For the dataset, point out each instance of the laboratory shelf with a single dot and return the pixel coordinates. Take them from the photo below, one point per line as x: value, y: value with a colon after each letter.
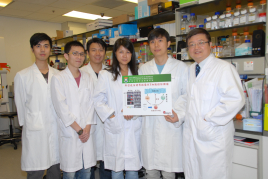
x: 54, y: 55
x: 238, y: 124
x: 238, y: 26
x: 235, y: 57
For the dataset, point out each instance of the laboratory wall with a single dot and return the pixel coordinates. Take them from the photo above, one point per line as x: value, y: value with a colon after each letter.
x: 16, y: 33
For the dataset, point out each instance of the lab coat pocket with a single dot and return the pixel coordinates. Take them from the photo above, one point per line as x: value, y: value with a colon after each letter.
x: 205, y: 131
x: 34, y: 121
x: 109, y: 144
x: 114, y: 125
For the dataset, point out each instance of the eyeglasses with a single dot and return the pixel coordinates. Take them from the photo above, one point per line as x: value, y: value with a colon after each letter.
x: 77, y: 54
x: 199, y: 44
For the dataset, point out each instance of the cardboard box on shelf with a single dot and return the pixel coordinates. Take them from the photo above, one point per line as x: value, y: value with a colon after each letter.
x: 123, y: 18
x: 68, y: 33
x: 59, y: 34
x: 152, y: 2
x: 153, y: 9
x: 143, y: 9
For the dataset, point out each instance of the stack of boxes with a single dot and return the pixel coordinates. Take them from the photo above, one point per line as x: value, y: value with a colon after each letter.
x: 99, y: 24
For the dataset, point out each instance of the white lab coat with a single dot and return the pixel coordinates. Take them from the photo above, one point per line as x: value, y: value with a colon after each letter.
x: 40, y: 148
x: 214, y: 95
x: 73, y: 103
x: 121, y: 136
x: 99, y: 128
x: 161, y: 141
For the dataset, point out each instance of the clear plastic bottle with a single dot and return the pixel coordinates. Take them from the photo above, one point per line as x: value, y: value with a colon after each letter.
x: 252, y: 14
x: 229, y: 16
x: 226, y: 52
x: 208, y: 23
x: 222, y: 21
x: 144, y: 51
x: 243, y: 16
x: 246, y: 36
x: 262, y: 11
x: 219, y: 51
x: 214, y: 50
x: 237, y: 15
x: 192, y: 22
x: 184, y: 24
x: 169, y: 51
x: 215, y: 21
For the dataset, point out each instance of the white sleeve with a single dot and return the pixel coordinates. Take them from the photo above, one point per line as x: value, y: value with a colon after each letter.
x: 231, y: 100
x: 59, y: 102
x: 20, y: 98
x: 100, y: 98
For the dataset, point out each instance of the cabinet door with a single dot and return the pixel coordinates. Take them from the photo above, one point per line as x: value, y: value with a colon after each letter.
x: 245, y: 156
x: 243, y: 172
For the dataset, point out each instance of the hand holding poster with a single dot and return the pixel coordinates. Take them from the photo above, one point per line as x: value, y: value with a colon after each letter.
x: 147, y: 95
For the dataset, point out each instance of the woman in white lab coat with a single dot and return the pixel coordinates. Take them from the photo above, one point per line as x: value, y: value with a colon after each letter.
x: 121, y: 133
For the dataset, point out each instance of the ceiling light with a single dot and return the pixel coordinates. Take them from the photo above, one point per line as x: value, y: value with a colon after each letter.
x: 134, y: 1
x: 83, y: 15
x: 4, y: 3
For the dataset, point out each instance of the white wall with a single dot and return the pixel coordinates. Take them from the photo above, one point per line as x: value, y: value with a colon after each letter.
x: 16, y: 33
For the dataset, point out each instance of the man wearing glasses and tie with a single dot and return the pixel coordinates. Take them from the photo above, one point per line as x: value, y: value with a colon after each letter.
x: 214, y: 96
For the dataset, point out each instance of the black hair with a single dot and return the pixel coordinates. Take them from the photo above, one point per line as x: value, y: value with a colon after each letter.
x: 115, y: 67
x: 198, y: 31
x: 98, y: 41
x: 69, y: 45
x: 39, y: 37
x: 158, y: 32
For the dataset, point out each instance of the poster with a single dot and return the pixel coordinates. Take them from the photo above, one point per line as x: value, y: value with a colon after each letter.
x: 147, y: 95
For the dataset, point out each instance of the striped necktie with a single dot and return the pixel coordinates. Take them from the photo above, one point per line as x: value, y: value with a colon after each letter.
x: 197, y: 69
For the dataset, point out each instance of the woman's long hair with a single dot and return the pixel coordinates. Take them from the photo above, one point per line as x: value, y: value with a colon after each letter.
x: 115, y: 67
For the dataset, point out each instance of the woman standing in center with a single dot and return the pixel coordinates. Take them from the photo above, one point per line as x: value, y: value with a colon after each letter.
x: 121, y: 133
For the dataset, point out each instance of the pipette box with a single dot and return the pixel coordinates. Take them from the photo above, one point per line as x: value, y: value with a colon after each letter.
x: 127, y: 29
x: 251, y: 124
x: 104, y: 32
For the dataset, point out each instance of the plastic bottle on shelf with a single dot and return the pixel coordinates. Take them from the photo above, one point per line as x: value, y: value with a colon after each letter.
x: 214, y: 50
x: 236, y: 41
x: 222, y: 21
x: 243, y: 16
x: 201, y: 26
x: 144, y: 51
x: 246, y: 36
x: 192, y: 22
x: 219, y: 51
x: 227, y: 49
x: 229, y: 17
x: 208, y: 23
x: 215, y: 21
x: 169, y: 51
x: 184, y: 24
x: 237, y: 15
x: 57, y: 63
x: 174, y: 55
x: 262, y: 11
x: 252, y: 14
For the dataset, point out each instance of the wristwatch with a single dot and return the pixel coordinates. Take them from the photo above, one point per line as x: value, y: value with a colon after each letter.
x: 80, y: 132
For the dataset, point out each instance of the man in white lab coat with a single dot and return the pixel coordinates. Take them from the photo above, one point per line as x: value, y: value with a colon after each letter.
x: 214, y: 96
x: 40, y: 146
x: 72, y: 92
x: 161, y: 139
x: 96, y: 49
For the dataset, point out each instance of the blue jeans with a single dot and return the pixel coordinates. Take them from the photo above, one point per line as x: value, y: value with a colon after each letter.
x: 129, y: 175
x: 80, y: 174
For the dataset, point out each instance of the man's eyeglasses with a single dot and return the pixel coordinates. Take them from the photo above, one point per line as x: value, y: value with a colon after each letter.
x: 199, y: 44
x: 82, y: 54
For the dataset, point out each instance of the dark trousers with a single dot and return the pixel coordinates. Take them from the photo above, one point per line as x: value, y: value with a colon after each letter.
x: 52, y: 173
x: 104, y: 173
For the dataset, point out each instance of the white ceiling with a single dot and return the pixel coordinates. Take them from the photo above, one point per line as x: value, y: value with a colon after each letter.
x: 52, y: 10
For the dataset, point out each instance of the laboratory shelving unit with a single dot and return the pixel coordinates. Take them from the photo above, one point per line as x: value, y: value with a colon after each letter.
x: 250, y: 162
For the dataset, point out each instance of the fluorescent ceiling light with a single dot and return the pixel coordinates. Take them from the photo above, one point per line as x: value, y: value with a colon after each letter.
x: 134, y: 1
x: 4, y: 3
x: 83, y: 15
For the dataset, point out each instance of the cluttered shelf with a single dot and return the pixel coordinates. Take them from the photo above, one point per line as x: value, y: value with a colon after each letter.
x: 226, y: 28
x: 238, y: 124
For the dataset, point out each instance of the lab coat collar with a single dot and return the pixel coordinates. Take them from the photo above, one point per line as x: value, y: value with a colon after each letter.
x: 166, y: 69
x: 39, y: 74
x: 91, y: 71
x: 206, y: 67
x: 70, y: 75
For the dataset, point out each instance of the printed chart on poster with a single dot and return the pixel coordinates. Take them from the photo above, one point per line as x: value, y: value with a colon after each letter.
x: 147, y: 95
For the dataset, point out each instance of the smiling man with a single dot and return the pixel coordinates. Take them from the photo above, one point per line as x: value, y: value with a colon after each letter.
x: 72, y: 92
x: 214, y: 96
x: 96, y: 49
x: 161, y: 138
x: 40, y: 146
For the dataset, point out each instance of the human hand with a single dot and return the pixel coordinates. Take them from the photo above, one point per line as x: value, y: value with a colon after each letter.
x: 112, y: 116
x: 173, y: 118
x: 86, y: 133
x: 127, y: 117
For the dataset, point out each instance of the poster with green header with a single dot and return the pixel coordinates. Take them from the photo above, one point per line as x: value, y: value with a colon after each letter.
x: 147, y: 95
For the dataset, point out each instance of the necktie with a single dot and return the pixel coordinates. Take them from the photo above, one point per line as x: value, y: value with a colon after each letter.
x: 197, y: 69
